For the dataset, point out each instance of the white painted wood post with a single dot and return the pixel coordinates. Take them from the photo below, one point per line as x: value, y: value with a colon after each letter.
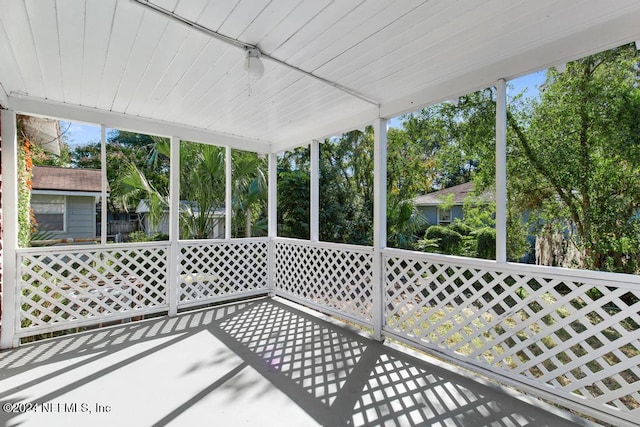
x: 272, y: 208
x: 103, y: 196
x: 10, y: 271
x: 174, y: 226
x: 228, y: 192
x: 379, y: 223
x: 501, y: 170
x: 314, y: 205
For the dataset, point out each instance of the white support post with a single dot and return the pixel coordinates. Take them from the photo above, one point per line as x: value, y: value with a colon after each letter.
x: 379, y: 223
x: 228, y: 192
x: 10, y: 271
x: 314, y: 205
x: 174, y: 226
x: 103, y: 196
x: 501, y: 171
x: 272, y: 203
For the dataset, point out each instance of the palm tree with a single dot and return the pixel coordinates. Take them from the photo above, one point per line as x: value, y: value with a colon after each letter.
x: 249, y: 190
x: 202, y: 187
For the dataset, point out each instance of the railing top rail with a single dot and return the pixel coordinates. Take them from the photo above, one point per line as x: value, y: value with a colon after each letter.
x: 575, y: 275
x: 191, y: 242
x: 328, y: 245
x: 92, y: 248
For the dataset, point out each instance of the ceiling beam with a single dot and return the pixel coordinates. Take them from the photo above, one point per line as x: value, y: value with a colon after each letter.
x: 4, y: 98
x: 62, y: 111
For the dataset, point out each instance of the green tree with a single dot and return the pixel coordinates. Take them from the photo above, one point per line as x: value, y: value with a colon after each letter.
x: 580, y: 152
x: 294, y: 193
x: 123, y: 150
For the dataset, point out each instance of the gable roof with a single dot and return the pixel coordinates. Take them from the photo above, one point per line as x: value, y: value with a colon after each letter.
x: 52, y: 178
x: 460, y: 192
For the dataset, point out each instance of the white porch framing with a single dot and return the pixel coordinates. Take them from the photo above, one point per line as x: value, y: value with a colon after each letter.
x: 358, y: 284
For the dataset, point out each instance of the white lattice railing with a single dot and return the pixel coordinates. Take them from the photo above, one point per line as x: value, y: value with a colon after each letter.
x: 213, y: 270
x: 63, y: 288
x: 575, y: 334
x: 331, y: 277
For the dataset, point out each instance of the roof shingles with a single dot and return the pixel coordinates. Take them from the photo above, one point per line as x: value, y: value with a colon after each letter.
x: 66, y: 179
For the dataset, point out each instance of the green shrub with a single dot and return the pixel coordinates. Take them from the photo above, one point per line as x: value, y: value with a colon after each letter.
x: 486, y: 242
x: 461, y: 228
x: 448, y: 240
x: 141, y: 236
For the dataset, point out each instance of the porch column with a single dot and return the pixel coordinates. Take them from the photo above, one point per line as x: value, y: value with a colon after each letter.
x: 228, y: 192
x: 314, y: 208
x: 103, y: 196
x: 174, y: 225
x: 501, y: 170
x: 10, y: 226
x: 379, y: 223
x: 272, y: 208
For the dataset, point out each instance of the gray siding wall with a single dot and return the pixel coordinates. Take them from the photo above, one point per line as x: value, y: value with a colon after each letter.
x: 431, y: 213
x: 81, y: 217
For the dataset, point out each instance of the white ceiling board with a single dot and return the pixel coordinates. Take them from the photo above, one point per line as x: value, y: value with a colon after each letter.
x: 348, y: 33
x: 261, y: 99
x: 120, y: 56
x: 287, y: 27
x: 152, y: 27
x: 192, y: 47
x: 183, y: 92
x: 499, y: 49
x: 241, y: 17
x: 204, y: 91
x: 401, y: 35
x: 42, y: 17
x: 215, y: 13
x: 190, y: 9
x: 71, y: 37
x: 400, y: 66
x: 324, y: 22
x: 98, y: 25
x: 169, y: 44
x: 272, y: 15
x: 169, y: 4
x: 9, y: 68
x: 20, y: 37
x: 126, y: 26
x: 574, y: 46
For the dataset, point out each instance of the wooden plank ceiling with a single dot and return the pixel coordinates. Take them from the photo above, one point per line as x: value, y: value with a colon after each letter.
x: 121, y: 57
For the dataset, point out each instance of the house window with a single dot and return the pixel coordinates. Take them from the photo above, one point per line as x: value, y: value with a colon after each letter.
x: 48, y: 212
x: 444, y: 216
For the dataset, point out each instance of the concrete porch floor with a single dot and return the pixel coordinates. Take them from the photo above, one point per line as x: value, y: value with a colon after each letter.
x: 262, y: 362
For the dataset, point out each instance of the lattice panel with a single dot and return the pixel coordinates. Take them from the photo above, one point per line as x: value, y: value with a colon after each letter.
x: 63, y: 287
x: 213, y: 270
x: 578, y: 338
x: 333, y: 277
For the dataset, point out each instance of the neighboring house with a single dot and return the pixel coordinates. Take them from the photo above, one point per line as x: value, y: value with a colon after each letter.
x: 64, y: 201
x: 431, y: 204
x: 163, y: 226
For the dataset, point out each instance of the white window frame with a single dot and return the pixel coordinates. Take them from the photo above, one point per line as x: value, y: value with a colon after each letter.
x: 440, y: 211
x: 64, y: 203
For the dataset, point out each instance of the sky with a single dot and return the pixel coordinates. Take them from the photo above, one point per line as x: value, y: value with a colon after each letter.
x: 81, y: 134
